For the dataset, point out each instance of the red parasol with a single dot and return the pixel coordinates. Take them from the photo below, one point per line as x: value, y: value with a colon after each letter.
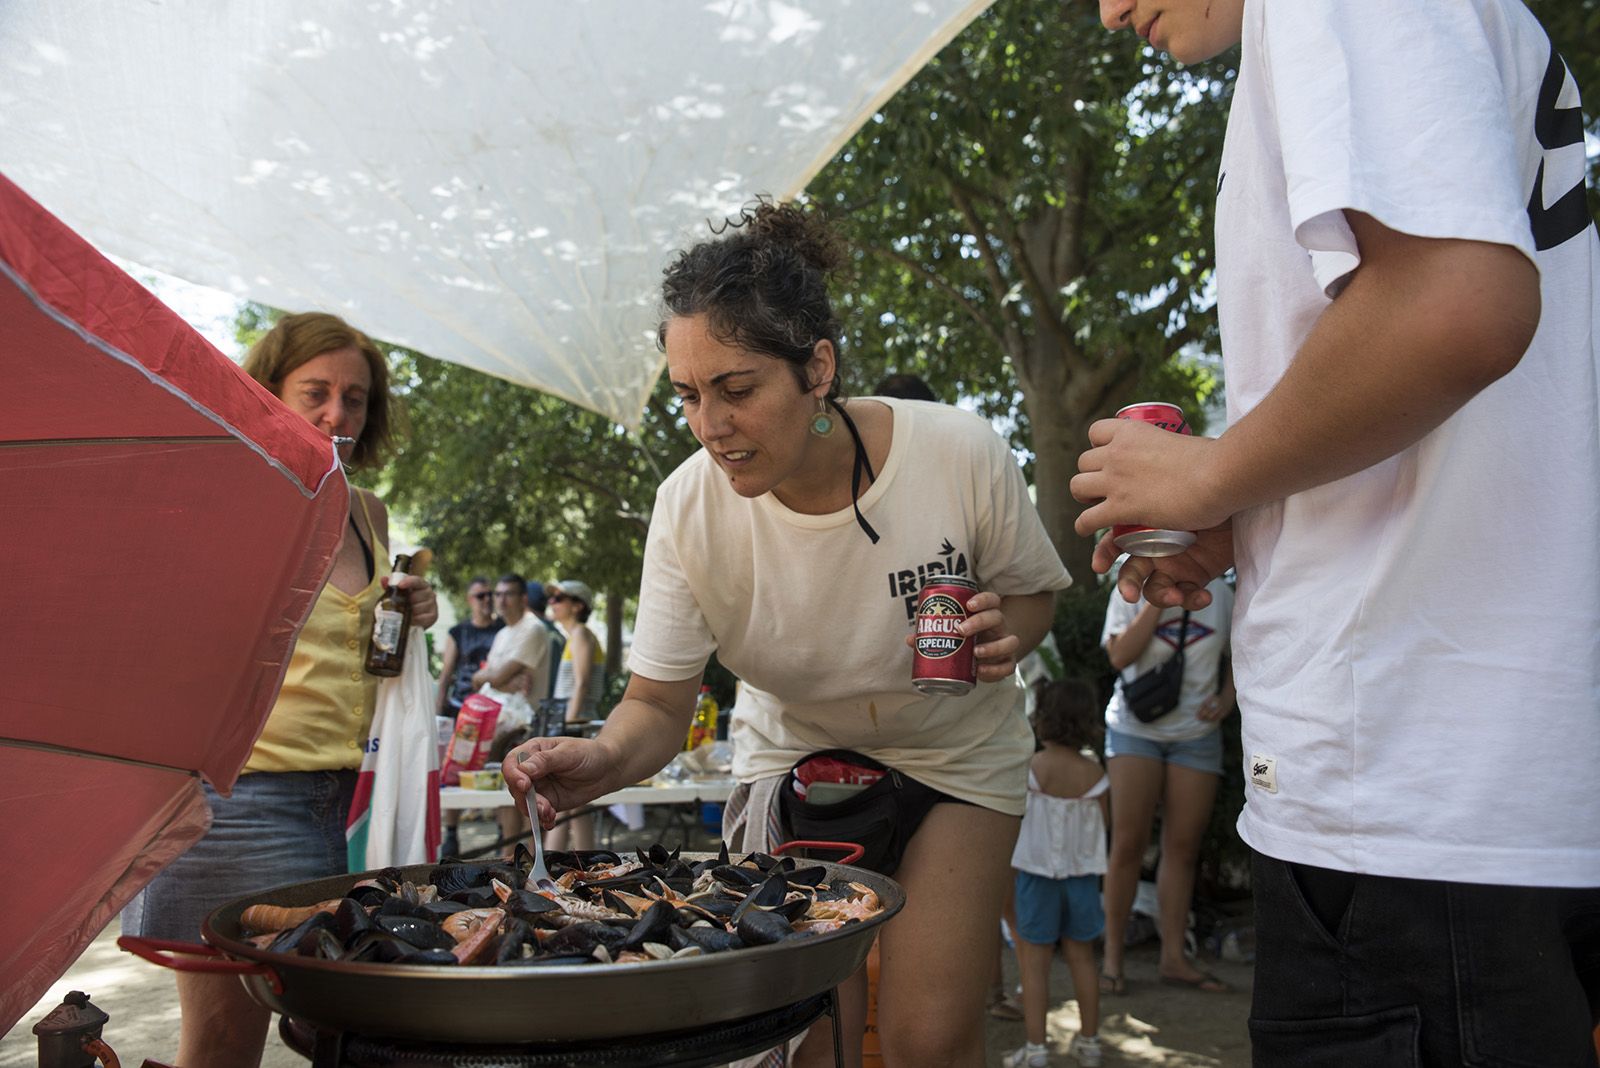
x: 165, y: 525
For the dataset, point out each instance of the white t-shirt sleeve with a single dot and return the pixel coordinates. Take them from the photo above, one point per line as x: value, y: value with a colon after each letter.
x: 1119, y: 613
x: 1339, y: 73
x: 671, y: 639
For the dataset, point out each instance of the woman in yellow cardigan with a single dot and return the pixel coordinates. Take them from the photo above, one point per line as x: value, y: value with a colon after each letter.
x: 285, y: 819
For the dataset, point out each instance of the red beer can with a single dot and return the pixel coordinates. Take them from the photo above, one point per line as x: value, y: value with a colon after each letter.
x: 942, y: 663
x: 1151, y: 541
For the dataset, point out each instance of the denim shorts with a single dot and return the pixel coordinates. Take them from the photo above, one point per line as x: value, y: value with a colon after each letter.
x: 277, y: 828
x: 1367, y: 969
x: 1049, y: 910
x: 1202, y: 754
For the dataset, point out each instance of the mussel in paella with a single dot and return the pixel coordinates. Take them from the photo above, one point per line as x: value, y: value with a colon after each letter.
x: 653, y: 905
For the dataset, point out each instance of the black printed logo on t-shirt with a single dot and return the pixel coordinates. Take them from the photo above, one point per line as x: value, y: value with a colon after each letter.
x: 1556, y: 127
x: 907, y: 582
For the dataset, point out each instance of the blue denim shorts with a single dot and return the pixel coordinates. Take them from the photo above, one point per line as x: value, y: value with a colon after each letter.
x: 1049, y: 910
x: 277, y: 828
x: 1202, y: 754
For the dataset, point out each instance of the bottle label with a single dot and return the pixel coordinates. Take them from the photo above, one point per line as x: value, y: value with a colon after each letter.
x: 386, y: 626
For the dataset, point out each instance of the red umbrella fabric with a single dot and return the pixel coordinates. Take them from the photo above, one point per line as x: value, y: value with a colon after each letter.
x: 165, y: 525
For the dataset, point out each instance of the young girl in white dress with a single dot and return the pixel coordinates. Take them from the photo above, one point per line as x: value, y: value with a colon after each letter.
x: 1059, y: 859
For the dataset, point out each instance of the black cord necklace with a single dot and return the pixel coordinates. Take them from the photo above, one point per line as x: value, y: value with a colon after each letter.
x: 861, y: 461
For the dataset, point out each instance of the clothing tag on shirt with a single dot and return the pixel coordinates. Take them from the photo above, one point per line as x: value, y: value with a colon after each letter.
x: 1264, y: 772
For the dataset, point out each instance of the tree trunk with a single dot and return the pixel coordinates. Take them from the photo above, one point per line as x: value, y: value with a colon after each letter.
x: 1059, y: 436
x: 615, y: 602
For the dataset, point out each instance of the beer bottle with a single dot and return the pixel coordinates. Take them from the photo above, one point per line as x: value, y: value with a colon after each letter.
x: 391, y: 625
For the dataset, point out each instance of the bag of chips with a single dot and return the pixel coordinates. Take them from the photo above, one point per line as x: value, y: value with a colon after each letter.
x: 469, y: 745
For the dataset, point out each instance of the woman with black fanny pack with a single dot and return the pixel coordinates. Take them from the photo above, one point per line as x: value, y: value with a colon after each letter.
x: 793, y: 545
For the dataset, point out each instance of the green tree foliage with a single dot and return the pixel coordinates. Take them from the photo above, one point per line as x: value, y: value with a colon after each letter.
x: 1032, y: 217
x: 500, y: 477
x: 497, y: 477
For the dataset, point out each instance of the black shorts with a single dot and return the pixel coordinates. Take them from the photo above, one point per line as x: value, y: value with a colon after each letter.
x: 1370, y: 970
x: 880, y: 819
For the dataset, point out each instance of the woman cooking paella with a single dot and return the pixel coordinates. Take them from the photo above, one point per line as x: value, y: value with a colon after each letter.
x: 793, y: 544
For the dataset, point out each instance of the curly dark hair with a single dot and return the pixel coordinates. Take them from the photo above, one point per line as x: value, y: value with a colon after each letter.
x: 1067, y: 712
x: 763, y: 284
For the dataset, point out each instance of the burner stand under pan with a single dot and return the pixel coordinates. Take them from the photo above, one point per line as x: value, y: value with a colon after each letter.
x: 706, y: 1046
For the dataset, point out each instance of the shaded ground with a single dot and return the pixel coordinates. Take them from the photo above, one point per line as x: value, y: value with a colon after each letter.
x: 1150, y: 1025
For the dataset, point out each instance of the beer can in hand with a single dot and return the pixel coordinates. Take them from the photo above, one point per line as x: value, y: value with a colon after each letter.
x: 1153, y: 541
x: 942, y: 662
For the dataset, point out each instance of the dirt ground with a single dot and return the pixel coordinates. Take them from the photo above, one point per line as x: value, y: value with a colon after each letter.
x: 1150, y: 1025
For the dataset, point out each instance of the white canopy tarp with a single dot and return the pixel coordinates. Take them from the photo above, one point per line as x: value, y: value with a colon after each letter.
x: 497, y: 183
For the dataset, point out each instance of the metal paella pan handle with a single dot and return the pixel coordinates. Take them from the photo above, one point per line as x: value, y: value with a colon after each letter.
x: 161, y: 951
x: 851, y: 851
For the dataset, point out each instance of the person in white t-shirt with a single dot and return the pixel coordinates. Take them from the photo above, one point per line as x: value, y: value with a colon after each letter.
x: 1408, y: 282
x: 517, y: 668
x: 516, y: 673
x: 1174, y: 762
x: 793, y: 545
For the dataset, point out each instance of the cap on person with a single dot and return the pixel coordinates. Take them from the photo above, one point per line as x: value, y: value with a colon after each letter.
x: 536, y: 599
x: 578, y: 591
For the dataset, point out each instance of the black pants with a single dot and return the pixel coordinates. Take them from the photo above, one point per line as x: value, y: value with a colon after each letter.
x: 1373, y: 972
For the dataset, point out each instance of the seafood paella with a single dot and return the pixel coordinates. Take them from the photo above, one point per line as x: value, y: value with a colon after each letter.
x: 602, y: 908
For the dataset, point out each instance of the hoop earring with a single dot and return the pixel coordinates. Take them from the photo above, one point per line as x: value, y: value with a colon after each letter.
x: 822, y: 422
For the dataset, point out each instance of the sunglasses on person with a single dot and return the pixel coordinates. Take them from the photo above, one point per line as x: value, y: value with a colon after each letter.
x: 557, y: 598
x: 482, y: 595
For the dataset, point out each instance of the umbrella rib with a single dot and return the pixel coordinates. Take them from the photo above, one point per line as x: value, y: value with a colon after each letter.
x: 24, y: 743
x: 36, y: 443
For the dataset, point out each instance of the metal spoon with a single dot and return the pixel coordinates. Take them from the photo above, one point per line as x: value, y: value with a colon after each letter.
x: 538, y: 875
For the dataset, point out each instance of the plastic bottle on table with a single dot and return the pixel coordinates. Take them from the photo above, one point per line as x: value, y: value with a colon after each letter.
x: 703, y: 729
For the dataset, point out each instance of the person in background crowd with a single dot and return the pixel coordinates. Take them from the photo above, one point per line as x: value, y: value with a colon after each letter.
x: 1174, y: 761
x: 790, y: 546
x: 538, y: 605
x: 580, y: 678
x: 581, y: 674
x: 466, y: 648
x: 285, y: 819
x: 1408, y: 287
x: 518, y: 666
x: 1060, y: 856
x: 907, y: 387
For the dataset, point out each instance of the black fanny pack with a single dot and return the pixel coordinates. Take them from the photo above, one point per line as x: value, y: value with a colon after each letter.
x: 1157, y: 692
x: 880, y: 818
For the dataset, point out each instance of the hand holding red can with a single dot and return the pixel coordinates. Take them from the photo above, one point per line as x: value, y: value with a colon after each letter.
x: 942, y: 661
x: 1170, y: 481
x: 944, y: 644
x: 1153, y: 541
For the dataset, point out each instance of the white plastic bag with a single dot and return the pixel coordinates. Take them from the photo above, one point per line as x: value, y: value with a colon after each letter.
x: 394, y: 819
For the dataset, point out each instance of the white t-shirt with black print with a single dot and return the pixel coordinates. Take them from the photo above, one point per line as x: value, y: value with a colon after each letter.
x: 813, y: 617
x: 1417, y: 646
